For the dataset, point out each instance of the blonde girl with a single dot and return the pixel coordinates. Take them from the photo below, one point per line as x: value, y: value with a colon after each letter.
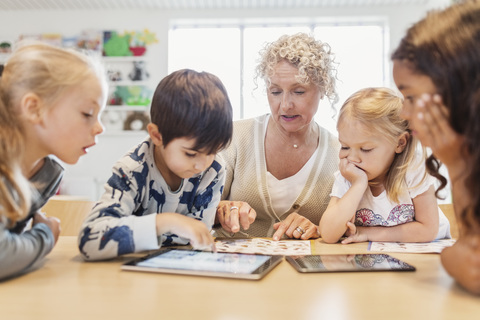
x: 50, y: 104
x: 381, y: 192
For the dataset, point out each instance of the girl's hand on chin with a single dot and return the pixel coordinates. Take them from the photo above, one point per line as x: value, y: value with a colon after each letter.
x: 351, y: 172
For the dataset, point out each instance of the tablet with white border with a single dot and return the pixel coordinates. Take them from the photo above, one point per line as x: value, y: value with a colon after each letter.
x: 348, y: 263
x: 204, y: 263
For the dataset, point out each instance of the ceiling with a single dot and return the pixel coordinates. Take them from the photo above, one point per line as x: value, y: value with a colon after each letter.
x: 16, y: 5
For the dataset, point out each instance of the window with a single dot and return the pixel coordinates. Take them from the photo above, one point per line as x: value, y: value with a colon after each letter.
x: 230, y: 51
x: 215, y: 50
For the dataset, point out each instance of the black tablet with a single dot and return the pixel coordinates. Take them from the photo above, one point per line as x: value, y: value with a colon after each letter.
x: 348, y: 263
x: 202, y: 263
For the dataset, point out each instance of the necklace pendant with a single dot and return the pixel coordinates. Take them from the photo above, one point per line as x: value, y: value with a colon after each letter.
x: 295, y: 146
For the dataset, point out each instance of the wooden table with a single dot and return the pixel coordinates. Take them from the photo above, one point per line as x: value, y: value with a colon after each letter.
x: 66, y: 287
x: 71, y: 211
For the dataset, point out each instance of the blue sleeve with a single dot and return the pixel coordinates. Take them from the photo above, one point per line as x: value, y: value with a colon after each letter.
x: 19, y: 253
x: 112, y: 229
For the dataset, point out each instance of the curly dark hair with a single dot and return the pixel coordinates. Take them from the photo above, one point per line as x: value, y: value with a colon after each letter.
x: 445, y: 46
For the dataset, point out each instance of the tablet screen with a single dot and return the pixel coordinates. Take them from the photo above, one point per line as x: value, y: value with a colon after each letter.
x: 230, y: 265
x: 348, y: 263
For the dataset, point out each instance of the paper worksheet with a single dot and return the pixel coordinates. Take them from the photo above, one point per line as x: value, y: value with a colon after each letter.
x: 425, y: 247
x: 265, y: 246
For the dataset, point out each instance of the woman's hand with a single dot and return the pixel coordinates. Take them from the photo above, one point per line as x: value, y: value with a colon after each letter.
x: 51, y: 222
x: 232, y: 214
x: 295, y: 226
x: 194, y: 230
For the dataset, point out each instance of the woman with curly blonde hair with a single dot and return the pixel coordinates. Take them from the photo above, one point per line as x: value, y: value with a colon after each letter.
x: 280, y: 165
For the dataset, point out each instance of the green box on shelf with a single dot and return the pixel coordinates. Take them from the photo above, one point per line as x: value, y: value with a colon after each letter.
x: 133, y: 95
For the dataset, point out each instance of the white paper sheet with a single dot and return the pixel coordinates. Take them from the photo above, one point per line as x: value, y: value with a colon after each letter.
x: 425, y: 247
x: 265, y: 246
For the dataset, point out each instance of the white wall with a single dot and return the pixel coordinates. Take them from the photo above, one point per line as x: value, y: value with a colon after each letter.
x: 91, y: 172
x: 70, y: 23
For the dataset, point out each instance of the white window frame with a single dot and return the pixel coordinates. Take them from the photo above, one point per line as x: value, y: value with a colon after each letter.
x: 311, y: 24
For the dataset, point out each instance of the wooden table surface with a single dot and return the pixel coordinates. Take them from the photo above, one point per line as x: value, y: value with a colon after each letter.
x: 66, y: 287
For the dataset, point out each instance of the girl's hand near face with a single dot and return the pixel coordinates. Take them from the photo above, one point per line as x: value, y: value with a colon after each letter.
x: 338, y: 219
x: 352, y: 173
x: 430, y: 121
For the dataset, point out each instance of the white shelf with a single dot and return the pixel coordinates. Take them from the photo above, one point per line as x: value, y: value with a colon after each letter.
x: 128, y: 83
x: 123, y: 59
x: 122, y: 133
x: 116, y: 116
x: 126, y: 108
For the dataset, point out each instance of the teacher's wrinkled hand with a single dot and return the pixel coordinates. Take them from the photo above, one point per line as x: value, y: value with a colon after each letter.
x: 233, y: 214
x: 295, y: 226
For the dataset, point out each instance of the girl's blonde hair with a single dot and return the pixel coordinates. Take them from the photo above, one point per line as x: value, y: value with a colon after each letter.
x: 47, y: 71
x: 313, y: 58
x: 378, y: 109
x: 14, y: 187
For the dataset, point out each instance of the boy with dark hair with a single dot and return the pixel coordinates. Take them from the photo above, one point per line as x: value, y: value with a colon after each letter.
x: 166, y: 189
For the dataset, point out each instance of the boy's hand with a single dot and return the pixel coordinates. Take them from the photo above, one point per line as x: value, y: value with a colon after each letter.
x: 232, y: 214
x: 51, y: 222
x: 193, y: 230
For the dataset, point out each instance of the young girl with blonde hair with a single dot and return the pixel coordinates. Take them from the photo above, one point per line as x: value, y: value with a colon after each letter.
x: 50, y: 104
x: 381, y: 192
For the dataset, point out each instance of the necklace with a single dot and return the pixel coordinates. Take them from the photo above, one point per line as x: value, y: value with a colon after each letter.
x: 295, y: 145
